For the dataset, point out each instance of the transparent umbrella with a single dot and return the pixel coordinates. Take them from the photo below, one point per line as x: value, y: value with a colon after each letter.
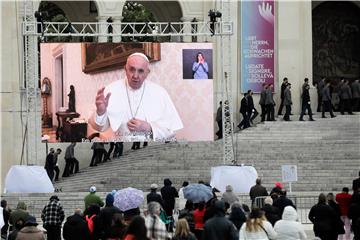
x: 128, y: 198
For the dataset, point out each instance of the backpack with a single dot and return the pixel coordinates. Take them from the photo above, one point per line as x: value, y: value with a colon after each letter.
x: 90, y: 222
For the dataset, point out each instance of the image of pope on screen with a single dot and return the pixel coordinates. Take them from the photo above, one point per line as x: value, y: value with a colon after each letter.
x: 136, y: 109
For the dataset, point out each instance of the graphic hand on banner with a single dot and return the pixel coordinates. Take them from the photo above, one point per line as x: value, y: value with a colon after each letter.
x: 265, y: 12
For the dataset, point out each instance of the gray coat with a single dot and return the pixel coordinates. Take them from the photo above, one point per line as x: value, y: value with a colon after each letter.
x: 262, y: 97
x: 355, y: 87
x: 326, y: 94
x: 345, y: 92
x: 269, y: 97
x: 287, y: 97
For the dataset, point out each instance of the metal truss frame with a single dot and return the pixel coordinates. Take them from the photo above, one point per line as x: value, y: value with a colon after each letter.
x: 135, y: 29
x: 221, y: 29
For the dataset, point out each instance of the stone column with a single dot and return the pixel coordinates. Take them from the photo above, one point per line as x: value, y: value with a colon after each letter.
x: 102, y: 20
x: 187, y: 28
x: 117, y: 28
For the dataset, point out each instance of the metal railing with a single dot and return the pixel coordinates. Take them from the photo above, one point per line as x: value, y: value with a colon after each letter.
x: 303, y: 205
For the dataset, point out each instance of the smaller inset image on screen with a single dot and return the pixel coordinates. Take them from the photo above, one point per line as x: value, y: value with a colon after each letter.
x: 197, y: 64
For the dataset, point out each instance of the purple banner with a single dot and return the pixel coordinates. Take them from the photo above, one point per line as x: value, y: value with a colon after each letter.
x: 257, y: 44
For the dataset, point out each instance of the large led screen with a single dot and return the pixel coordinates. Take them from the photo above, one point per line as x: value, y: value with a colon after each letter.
x: 126, y: 92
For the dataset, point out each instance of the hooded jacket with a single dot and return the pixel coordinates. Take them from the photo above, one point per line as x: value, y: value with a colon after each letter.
x: 229, y: 196
x: 19, y: 213
x: 168, y: 193
x: 76, y: 228
x: 288, y: 228
x: 30, y: 232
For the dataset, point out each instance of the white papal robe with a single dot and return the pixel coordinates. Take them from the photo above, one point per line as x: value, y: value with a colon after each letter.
x: 154, y: 106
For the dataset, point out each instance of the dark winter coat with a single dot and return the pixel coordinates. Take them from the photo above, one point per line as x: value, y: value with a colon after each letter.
x: 76, y: 228
x: 169, y: 194
x: 323, y: 217
x: 272, y: 213
x: 237, y: 217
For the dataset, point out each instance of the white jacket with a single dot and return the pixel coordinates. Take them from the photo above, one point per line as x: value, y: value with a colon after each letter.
x: 288, y: 228
x: 260, y: 235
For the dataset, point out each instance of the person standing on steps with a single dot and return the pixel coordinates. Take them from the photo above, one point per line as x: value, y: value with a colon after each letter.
x: 305, y: 103
x: 262, y: 102
x: 287, y: 102
x: 326, y: 101
x: 283, y: 87
x: 270, y: 104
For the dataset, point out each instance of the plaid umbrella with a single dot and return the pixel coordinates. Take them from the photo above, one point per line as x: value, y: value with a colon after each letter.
x: 197, y: 193
x: 128, y: 198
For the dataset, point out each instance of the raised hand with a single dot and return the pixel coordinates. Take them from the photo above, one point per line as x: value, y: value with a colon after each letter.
x: 101, y: 101
x: 265, y: 12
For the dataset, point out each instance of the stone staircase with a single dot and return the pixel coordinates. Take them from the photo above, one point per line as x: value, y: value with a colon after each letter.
x: 326, y: 152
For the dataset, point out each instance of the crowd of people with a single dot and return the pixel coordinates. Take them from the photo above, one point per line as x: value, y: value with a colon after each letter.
x: 273, y: 217
x: 344, y: 96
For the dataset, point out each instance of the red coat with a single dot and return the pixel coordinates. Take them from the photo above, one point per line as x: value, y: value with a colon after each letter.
x: 199, y: 218
x: 343, y: 199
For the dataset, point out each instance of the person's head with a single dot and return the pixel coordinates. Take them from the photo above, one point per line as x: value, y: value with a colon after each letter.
x: 189, y: 205
x: 200, y: 205
x: 58, y: 151
x: 73, y: 144
x: 167, y: 182
x: 137, y: 228
x: 245, y: 94
x: 130, y: 214
x: 117, y: 220
x: 306, y: 80
x: 258, y: 181
x: 219, y: 207
x: 322, y: 199
x: 229, y: 188
x: 136, y: 69
x: 182, y: 228
x: 30, y: 221
x: 220, y: 103
x: 254, y: 221
x: 268, y: 200
x: 93, y: 209
x: 92, y: 189
x: 78, y: 211
x: 3, y: 203
x: 288, y: 85
x: 278, y: 184
x: 72, y: 87
x: 154, y: 208
x: 52, y: 150
x: 271, y: 86
x: 285, y: 79
x: 109, y: 200
x: 249, y: 92
x: 185, y: 183
x: 199, y: 57
x: 264, y: 85
x: 345, y: 189
x: 153, y: 187
x: 21, y: 205
x: 330, y: 197
x: 289, y: 214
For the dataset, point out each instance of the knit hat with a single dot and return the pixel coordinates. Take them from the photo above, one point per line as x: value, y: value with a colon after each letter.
x: 31, y: 221
x: 268, y: 200
x: 92, y: 189
x: 109, y: 199
x: 278, y: 184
